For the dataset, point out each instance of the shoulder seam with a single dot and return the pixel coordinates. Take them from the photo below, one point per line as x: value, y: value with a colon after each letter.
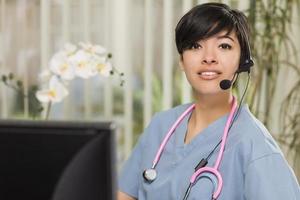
x: 261, y: 157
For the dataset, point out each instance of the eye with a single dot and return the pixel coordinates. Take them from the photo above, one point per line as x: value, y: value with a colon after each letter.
x: 225, y: 46
x: 195, y: 46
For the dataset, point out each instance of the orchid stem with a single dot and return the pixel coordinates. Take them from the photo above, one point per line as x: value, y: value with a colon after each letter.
x: 48, y: 110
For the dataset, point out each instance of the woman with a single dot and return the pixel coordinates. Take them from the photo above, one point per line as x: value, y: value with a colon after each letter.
x: 188, y: 152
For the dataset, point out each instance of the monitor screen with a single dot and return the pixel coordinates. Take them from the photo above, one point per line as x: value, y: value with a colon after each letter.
x: 51, y: 160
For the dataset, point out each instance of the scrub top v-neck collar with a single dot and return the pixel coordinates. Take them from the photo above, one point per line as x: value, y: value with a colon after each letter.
x: 212, y: 131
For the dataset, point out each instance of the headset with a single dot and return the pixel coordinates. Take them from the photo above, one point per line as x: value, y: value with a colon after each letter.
x: 245, y: 66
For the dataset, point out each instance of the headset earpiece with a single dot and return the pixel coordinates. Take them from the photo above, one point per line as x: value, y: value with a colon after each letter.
x: 245, y: 67
x: 246, y: 64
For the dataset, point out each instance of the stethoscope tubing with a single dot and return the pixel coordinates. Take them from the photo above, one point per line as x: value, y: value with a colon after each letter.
x: 214, y: 170
x: 169, y: 134
x: 225, y: 133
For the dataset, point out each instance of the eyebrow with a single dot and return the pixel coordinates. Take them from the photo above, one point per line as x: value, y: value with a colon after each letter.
x: 225, y: 36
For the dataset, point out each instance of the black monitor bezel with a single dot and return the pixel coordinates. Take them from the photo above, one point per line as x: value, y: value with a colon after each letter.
x: 13, y: 126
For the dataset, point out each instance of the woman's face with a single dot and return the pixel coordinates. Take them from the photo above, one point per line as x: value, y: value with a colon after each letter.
x: 210, y: 61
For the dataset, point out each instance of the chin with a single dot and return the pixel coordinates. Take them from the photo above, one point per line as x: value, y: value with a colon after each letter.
x: 214, y: 90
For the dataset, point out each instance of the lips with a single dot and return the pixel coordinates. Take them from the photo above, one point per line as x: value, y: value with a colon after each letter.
x: 209, y: 74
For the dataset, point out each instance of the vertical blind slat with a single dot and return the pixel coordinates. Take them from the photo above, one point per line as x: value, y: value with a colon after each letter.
x: 128, y: 86
x: 22, y: 53
x: 66, y: 39
x: 186, y: 94
x: 128, y: 102
x: 4, y: 100
x: 122, y: 52
x: 108, y: 89
x: 148, y: 61
x: 167, y: 53
x: 45, y: 31
x: 86, y: 38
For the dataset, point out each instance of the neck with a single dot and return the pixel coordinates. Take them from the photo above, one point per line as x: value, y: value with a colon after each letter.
x: 211, y: 107
x: 208, y: 108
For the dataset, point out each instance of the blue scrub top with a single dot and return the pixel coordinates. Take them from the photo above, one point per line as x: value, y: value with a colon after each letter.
x: 253, y: 167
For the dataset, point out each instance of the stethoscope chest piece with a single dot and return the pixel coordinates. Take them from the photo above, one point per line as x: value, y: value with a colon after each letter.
x: 150, y: 175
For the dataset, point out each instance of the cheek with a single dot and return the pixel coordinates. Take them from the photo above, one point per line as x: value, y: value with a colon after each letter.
x: 187, y: 66
x: 231, y: 63
x: 190, y: 60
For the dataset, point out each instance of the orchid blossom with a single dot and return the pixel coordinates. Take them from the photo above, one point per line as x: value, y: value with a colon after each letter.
x: 55, y: 93
x: 87, y: 61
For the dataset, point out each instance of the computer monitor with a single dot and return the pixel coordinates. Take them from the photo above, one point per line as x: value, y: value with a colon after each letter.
x: 57, y: 160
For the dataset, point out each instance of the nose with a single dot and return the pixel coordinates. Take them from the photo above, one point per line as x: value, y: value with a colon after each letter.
x: 209, y: 57
x: 209, y: 61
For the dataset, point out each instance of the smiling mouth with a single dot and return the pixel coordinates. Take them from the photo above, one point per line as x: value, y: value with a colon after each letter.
x: 209, y: 75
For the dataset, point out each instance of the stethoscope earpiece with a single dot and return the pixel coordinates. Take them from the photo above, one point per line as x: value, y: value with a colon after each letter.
x: 150, y: 175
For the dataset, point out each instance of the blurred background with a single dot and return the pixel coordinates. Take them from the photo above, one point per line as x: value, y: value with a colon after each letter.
x: 140, y: 36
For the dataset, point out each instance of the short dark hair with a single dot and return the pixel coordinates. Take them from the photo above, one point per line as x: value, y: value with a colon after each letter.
x: 206, y: 20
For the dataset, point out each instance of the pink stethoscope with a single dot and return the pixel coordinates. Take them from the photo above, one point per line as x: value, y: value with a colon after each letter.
x: 151, y: 174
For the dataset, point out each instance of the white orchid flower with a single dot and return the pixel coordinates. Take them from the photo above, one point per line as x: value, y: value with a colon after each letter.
x: 60, y: 65
x: 99, y: 49
x: 105, y: 69
x: 102, y: 66
x: 83, y: 62
x: 93, y: 49
x: 56, y: 92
